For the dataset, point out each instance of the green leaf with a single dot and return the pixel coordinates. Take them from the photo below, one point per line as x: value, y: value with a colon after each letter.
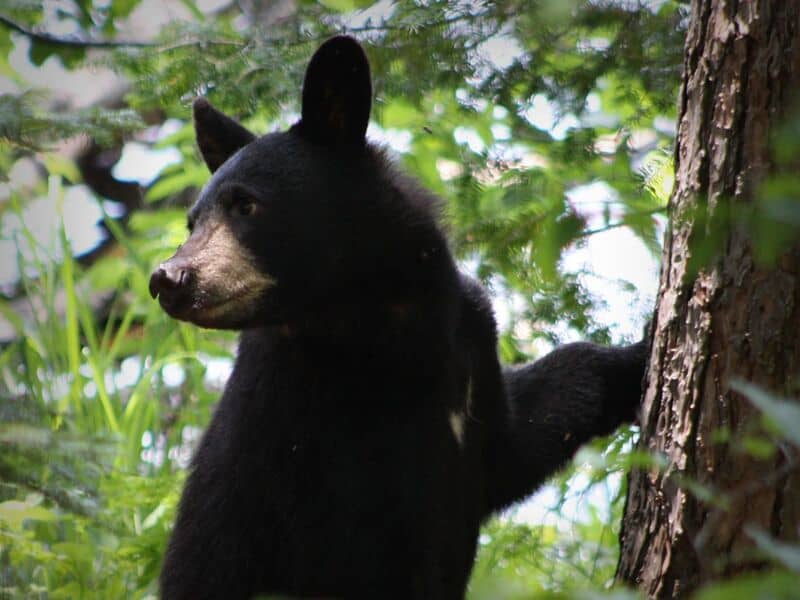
x: 122, y: 8
x: 345, y: 5
x: 69, y: 56
x: 191, y: 174
x: 786, y: 554
x: 15, y: 513
x: 12, y: 317
x: 783, y: 415
x: 71, y: 551
x: 758, y: 447
x: 768, y: 586
x: 40, y: 51
x: 58, y: 164
x: 400, y: 114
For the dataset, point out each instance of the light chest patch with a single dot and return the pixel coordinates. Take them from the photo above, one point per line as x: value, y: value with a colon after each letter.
x: 457, y: 425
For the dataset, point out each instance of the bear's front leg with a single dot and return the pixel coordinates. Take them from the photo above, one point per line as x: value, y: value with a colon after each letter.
x: 556, y: 404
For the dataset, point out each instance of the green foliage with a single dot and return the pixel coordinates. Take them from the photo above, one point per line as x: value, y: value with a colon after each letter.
x: 24, y: 124
x: 780, y: 418
x: 86, y: 500
x: 176, y: 178
x: 771, y: 218
x: 605, y: 71
x: 771, y: 586
x: 451, y: 71
x: 780, y: 415
x: 575, y: 551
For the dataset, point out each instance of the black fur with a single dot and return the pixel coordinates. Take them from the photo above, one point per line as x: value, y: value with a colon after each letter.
x: 226, y: 136
x: 367, y: 428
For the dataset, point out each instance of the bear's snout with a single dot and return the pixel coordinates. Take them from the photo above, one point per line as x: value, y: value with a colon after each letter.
x: 170, y: 282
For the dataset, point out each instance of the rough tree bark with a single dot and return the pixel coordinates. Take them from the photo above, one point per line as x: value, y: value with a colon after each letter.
x: 735, y: 318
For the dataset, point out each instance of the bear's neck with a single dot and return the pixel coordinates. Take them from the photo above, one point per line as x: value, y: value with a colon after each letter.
x: 382, y: 345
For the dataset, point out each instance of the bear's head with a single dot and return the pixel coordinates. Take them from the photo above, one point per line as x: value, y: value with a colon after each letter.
x: 294, y: 224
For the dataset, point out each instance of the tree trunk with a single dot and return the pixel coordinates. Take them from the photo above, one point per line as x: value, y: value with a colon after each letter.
x: 735, y: 318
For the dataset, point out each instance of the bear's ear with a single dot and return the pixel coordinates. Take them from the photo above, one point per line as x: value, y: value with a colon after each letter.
x: 218, y: 136
x: 337, y: 94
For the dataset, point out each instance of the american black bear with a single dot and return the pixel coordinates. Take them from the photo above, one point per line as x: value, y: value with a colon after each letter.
x: 367, y: 428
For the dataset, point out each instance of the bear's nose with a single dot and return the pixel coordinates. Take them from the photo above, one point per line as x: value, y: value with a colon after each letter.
x: 168, y: 277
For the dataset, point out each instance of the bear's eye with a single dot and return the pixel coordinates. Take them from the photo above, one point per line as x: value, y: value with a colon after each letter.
x: 246, y: 208
x: 241, y: 204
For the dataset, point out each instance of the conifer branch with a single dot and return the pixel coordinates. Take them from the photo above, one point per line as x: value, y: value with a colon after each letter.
x: 69, y: 42
x: 623, y: 223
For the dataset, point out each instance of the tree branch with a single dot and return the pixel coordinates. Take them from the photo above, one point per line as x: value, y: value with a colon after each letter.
x: 384, y: 25
x: 588, y: 232
x: 70, y: 42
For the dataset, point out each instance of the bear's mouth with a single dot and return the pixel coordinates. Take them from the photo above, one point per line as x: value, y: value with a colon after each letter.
x: 177, y: 306
x: 229, y: 312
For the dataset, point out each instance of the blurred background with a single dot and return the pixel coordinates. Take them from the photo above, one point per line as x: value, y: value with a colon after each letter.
x: 547, y: 128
